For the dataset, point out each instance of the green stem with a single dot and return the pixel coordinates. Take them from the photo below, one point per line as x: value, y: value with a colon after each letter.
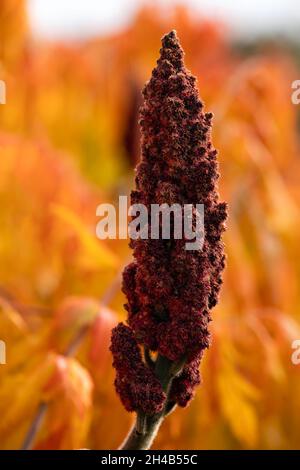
x: 142, y: 437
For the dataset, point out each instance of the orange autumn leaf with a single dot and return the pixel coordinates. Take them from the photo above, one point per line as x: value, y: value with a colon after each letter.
x: 69, y: 395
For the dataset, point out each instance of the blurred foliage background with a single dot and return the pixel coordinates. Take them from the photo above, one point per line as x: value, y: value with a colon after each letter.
x: 69, y: 140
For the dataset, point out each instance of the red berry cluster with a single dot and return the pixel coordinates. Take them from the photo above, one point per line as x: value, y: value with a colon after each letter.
x: 136, y: 384
x: 169, y: 289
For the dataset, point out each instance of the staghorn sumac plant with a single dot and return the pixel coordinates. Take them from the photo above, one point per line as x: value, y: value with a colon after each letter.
x: 170, y: 290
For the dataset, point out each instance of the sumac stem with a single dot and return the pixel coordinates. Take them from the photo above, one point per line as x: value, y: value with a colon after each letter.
x: 142, y: 437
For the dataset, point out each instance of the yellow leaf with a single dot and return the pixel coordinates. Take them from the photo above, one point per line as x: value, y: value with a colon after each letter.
x: 238, y: 398
x: 96, y: 253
